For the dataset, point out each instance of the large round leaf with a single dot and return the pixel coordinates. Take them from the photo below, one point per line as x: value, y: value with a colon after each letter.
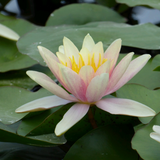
x: 10, y: 58
x: 81, y: 14
x: 151, y: 3
x: 142, y: 95
x: 7, y: 134
x: 145, y: 36
x: 104, y: 143
x: 20, y: 79
x: 144, y: 144
x: 14, y: 97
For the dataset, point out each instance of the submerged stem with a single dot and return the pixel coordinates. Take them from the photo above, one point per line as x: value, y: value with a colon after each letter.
x: 91, y: 118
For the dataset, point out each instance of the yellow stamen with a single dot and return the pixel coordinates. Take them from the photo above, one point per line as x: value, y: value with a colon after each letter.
x: 91, y: 62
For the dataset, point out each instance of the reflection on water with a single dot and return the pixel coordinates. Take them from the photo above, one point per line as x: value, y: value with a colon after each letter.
x: 146, y: 15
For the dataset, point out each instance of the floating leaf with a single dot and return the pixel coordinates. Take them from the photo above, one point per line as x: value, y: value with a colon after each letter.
x: 145, y: 36
x: 20, y: 79
x: 108, y: 142
x: 14, y: 97
x: 10, y: 58
x: 8, y: 135
x: 147, y: 147
x: 91, y: 13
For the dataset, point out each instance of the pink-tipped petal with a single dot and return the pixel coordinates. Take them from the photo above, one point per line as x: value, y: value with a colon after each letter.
x: 125, y: 107
x: 112, y: 52
x: 74, y: 82
x: 104, y: 68
x: 71, y: 117
x: 88, y: 42
x: 43, y: 51
x: 42, y: 104
x: 119, y: 71
x: 134, y: 67
x: 52, y: 63
x: 97, y: 87
x: 70, y: 49
x: 86, y: 73
x: 50, y: 85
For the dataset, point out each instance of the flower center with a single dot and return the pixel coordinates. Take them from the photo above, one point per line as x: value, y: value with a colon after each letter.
x: 89, y: 60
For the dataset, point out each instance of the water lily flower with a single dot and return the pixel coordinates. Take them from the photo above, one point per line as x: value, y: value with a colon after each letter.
x: 8, y: 33
x: 156, y: 134
x: 89, y: 75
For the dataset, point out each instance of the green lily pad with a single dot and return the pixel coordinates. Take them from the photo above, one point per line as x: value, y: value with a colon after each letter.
x: 147, y: 147
x: 142, y: 95
x: 91, y: 13
x: 10, y: 57
x: 132, y: 3
x: 108, y: 142
x: 8, y: 135
x: 145, y: 36
x: 20, y: 79
x: 12, y: 98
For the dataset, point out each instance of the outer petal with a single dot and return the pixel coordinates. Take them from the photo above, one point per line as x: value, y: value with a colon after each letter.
x: 104, y: 68
x: 71, y: 117
x: 88, y: 42
x: 74, y: 82
x: 50, y: 85
x: 119, y: 71
x: 52, y: 62
x: 112, y: 52
x: 70, y: 49
x: 44, y: 51
x: 97, y: 87
x: 156, y: 128
x: 156, y: 135
x: 134, y: 67
x: 8, y: 33
x: 42, y: 104
x: 125, y: 107
x: 86, y: 73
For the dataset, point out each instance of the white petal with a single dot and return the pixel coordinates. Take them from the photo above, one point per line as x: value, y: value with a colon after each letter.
x: 112, y: 52
x: 156, y: 128
x: 42, y: 104
x: 71, y: 117
x: 125, y: 107
x: 8, y: 33
x: 155, y: 136
x: 70, y: 49
x: 88, y: 42
x: 50, y: 85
